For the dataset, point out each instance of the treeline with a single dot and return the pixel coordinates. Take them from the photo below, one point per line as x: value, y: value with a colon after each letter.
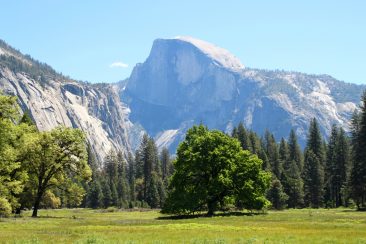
x: 325, y: 174
x: 35, y: 69
x: 141, y: 181
x: 56, y: 169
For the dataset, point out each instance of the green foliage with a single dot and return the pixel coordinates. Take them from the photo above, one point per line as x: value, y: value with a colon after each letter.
x: 337, y: 168
x: 5, y: 208
x: 49, y: 200
x: 314, y: 167
x: 291, y: 176
x: 53, y: 160
x: 358, y: 173
x: 211, y: 170
x: 95, y: 195
x: 273, y: 154
x: 277, y: 196
x: 313, y: 180
x: 12, y: 175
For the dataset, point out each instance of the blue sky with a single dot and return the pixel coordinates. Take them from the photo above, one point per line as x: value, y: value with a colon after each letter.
x: 83, y: 39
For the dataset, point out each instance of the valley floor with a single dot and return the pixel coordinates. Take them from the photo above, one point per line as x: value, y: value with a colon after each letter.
x: 97, y: 226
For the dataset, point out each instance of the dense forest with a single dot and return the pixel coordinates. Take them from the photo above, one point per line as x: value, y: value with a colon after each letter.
x: 57, y: 169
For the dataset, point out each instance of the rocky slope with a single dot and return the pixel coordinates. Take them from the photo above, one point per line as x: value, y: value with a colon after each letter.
x: 186, y: 81
x: 54, y: 100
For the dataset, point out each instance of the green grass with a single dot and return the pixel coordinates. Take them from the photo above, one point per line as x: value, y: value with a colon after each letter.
x: 95, y: 226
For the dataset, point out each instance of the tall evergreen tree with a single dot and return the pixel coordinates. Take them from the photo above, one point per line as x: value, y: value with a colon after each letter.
x: 329, y: 196
x: 358, y: 173
x: 242, y: 136
x: 95, y: 195
x: 314, y: 167
x: 122, y: 182
x: 111, y: 167
x: 131, y: 176
x: 291, y: 176
x: 114, y: 194
x: 295, y: 151
x: 277, y: 196
x: 255, y: 143
x: 107, y: 194
x: 342, y: 169
x: 273, y: 154
x: 166, y: 164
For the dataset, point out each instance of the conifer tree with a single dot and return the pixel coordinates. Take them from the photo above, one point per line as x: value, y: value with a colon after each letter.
x: 114, y: 194
x: 277, y: 196
x: 329, y: 197
x: 295, y: 151
x: 273, y: 154
x: 166, y: 164
x: 107, y: 194
x: 131, y: 177
x: 95, y: 195
x: 358, y: 173
x: 255, y: 142
x: 242, y: 136
x: 342, y: 169
x: 314, y: 167
x: 291, y: 177
x: 122, y: 184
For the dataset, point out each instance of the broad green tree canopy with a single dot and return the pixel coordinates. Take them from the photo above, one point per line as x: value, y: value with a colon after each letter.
x: 212, y: 171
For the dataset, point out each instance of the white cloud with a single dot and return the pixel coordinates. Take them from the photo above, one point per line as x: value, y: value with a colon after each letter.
x: 118, y: 64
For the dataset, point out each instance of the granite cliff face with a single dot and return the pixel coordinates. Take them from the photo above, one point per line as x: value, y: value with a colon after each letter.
x: 183, y: 82
x: 54, y: 100
x: 186, y: 81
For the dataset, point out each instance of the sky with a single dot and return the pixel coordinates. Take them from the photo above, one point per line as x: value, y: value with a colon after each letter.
x: 101, y: 41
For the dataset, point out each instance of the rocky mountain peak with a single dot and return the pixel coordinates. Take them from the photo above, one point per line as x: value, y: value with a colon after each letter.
x: 220, y: 55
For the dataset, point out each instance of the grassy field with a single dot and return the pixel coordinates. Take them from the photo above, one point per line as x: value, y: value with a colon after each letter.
x: 95, y: 226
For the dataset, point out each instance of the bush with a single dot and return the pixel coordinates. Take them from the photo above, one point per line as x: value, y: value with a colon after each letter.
x: 5, y: 208
x: 111, y: 209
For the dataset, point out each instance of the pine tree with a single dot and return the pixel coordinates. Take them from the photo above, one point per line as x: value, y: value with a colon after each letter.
x: 273, y: 154
x: 152, y: 193
x: 131, y: 177
x: 342, y: 169
x: 95, y: 195
x: 166, y: 164
x: 107, y: 194
x: 291, y: 177
x: 295, y: 151
x: 358, y: 173
x: 313, y: 180
x: 234, y: 133
x: 122, y: 185
x: 255, y: 143
x: 329, y: 196
x: 92, y: 162
x: 277, y: 196
x: 111, y: 167
x: 284, y: 153
x: 114, y: 194
x: 243, y: 137
x: 314, y: 167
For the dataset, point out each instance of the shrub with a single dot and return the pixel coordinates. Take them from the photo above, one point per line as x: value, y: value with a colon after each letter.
x: 5, y: 208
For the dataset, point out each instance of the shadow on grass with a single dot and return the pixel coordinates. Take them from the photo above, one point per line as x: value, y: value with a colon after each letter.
x: 195, y: 216
x: 355, y: 210
x: 52, y: 217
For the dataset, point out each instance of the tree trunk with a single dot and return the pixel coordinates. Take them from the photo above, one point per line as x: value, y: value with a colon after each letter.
x: 36, y: 204
x: 211, y: 208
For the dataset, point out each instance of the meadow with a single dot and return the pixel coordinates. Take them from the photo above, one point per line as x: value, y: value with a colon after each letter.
x: 103, y: 226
